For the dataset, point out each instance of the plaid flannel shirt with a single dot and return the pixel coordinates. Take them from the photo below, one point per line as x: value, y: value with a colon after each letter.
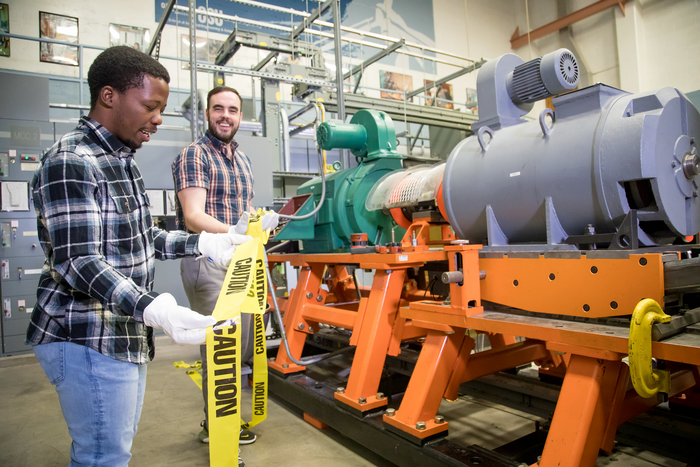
x: 100, y: 245
x: 228, y: 178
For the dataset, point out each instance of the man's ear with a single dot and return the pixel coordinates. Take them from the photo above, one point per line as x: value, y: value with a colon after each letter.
x: 206, y: 114
x: 107, y: 97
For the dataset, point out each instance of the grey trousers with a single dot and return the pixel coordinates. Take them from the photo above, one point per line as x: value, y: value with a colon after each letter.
x: 202, y: 282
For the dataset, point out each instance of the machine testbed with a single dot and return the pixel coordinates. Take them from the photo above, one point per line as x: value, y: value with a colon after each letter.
x: 546, y: 235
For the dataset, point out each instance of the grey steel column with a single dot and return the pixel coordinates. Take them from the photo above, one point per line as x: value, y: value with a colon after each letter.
x: 194, y: 123
x: 80, y: 72
x: 339, y: 75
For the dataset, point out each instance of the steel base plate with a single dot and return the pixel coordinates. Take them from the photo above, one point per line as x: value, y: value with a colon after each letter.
x: 316, y: 398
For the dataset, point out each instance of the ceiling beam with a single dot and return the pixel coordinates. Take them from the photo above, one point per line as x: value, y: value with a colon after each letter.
x: 518, y: 40
x: 439, y: 82
x: 161, y: 24
x: 375, y: 58
x: 298, y: 31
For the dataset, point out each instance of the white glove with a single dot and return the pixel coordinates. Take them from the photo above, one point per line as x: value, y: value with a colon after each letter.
x: 182, y: 324
x: 270, y: 220
x: 241, y: 226
x: 220, y: 247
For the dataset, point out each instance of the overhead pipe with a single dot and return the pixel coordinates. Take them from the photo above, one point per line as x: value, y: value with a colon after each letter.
x: 285, y: 159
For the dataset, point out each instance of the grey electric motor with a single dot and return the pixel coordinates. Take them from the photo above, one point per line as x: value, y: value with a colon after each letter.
x: 578, y: 170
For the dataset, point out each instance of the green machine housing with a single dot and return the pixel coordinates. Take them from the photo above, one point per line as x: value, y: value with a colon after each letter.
x: 371, y: 138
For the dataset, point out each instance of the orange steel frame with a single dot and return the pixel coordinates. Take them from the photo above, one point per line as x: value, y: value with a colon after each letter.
x: 594, y: 398
x: 376, y: 329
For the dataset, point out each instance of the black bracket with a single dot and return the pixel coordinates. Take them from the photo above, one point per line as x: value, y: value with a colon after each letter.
x: 626, y: 237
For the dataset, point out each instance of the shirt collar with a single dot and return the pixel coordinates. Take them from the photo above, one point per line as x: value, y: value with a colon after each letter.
x: 218, y: 144
x: 104, y: 138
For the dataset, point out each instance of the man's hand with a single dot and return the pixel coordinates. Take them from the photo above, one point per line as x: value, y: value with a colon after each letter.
x: 241, y: 226
x: 220, y: 247
x: 270, y: 220
x: 182, y: 324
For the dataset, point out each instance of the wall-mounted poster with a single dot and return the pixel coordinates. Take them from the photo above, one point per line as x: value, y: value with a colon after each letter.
x: 472, y: 103
x: 4, y: 27
x: 138, y: 38
x: 443, y: 92
x: 60, y: 28
x: 206, y: 49
x: 395, y: 81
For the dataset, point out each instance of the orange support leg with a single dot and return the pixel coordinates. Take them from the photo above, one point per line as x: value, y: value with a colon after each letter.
x: 628, y: 404
x: 582, y: 413
x: 373, y: 343
x: 427, y: 385
x: 309, y: 282
x: 469, y: 367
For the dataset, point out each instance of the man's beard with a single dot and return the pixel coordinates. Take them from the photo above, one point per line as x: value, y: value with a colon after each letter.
x: 133, y: 145
x: 219, y: 136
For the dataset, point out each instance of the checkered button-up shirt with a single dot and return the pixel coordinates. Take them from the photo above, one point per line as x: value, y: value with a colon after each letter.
x: 223, y: 170
x: 100, y: 244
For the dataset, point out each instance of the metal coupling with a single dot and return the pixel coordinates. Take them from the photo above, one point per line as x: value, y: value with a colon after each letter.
x: 340, y: 390
x: 482, y: 274
x: 285, y: 365
x: 309, y: 295
x: 452, y: 277
x: 390, y: 412
x: 380, y: 395
x: 439, y: 419
x: 691, y: 165
x: 300, y: 326
x: 420, y: 426
x: 362, y: 400
x: 319, y: 298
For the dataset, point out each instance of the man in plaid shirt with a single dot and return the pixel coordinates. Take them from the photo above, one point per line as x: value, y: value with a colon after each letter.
x: 92, y: 324
x: 214, y: 185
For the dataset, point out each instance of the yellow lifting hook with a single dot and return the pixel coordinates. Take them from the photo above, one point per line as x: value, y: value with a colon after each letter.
x: 646, y: 381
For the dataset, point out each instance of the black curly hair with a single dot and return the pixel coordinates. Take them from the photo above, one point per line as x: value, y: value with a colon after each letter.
x: 123, y: 68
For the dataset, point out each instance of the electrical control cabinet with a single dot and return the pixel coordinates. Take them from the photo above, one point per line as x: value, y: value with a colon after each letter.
x: 22, y: 143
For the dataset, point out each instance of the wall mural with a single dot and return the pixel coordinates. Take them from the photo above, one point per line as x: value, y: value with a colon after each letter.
x: 401, y: 19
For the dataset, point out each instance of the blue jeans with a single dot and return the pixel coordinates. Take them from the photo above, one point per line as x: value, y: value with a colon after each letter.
x: 100, y: 398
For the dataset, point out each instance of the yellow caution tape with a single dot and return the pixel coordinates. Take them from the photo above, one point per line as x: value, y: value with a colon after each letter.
x: 196, y: 365
x: 193, y: 373
x: 196, y: 377
x: 244, y: 290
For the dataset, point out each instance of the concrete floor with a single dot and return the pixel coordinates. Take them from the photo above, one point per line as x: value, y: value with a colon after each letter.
x: 33, y: 433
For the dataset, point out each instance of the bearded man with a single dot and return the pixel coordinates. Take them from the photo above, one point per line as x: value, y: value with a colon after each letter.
x: 214, y: 185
